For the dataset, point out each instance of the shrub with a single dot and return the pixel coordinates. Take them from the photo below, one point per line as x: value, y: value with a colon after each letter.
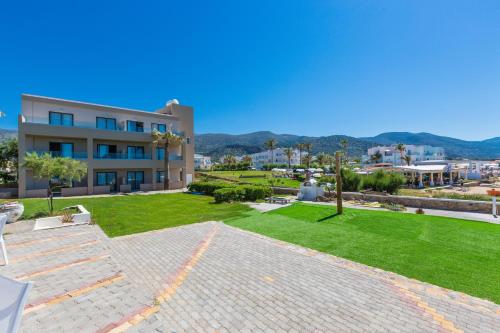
x: 229, y: 194
x: 382, y: 181
x: 208, y: 188
x: 419, y: 211
x: 256, y: 192
x: 351, y: 181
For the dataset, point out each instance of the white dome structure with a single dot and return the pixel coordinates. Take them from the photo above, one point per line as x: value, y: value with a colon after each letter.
x: 172, y: 101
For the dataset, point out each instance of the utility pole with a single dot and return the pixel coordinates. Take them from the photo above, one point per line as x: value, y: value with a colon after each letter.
x: 338, y: 180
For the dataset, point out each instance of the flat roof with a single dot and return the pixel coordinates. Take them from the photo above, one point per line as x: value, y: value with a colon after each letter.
x: 90, y: 105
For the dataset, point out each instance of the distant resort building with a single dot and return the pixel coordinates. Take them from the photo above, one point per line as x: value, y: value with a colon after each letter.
x: 202, y: 162
x: 390, y: 154
x: 278, y: 157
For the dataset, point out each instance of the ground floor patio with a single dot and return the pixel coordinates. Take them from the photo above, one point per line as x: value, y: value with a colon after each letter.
x: 210, y: 277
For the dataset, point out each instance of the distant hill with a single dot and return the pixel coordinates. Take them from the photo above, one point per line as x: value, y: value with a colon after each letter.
x: 217, y: 145
x: 454, y: 148
x: 7, y: 133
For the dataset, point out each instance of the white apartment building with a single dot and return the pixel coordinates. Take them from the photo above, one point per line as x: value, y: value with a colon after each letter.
x: 202, y: 162
x: 278, y: 157
x: 418, y: 153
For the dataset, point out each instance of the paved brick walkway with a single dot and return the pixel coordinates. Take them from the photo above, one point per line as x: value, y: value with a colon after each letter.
x: 210, y: 277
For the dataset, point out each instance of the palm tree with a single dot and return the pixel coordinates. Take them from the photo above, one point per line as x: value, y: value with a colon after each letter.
x: 344, y: 144
x: 322, y: 159
x: 300, y: 147
x: 308, y: 147
x: 407, y: 159
x: 166, y: 139
x: 271, y: 145
x: 376, y: 157
x: 401, y: 147
x: 289, y: 155
x: 307, y: 160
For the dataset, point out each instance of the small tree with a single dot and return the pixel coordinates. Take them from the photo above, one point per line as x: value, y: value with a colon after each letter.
x: 344, y: 144
x: 57, y: 170
x: 8, y: 161
x: 308, y: 147
x: 407, y: 159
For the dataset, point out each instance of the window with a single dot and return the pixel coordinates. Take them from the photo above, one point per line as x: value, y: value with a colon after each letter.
x: 61, y: 149
x: 160, y: 176
x: 106, y: 151
x: 106, y: 123
x: 162, y: 128
x: 135, y: 126
x: 135, y: 152
x: 188, y: 140
x: 107, y: 178
x: 160, y: 153
x: 60, y: 119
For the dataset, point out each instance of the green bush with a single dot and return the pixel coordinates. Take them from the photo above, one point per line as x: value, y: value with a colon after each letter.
x: 224, y: 192
x: 382, y: 181
x: 256, y: 192
x: 229, y: 194
x: 207, y: 187
x: 351, y: 181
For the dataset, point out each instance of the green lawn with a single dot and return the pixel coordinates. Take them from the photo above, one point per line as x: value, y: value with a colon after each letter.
x: 456, y: 254
x: 123, y: 215
x: 264, y: 179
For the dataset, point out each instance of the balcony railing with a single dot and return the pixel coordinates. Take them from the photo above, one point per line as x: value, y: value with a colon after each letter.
x: 122, y: 156
x: 75, y: 155
x: 172, y: 157
x: 119, y: 126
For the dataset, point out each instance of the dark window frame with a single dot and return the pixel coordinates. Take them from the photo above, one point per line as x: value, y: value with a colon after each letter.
x: 62, y: 114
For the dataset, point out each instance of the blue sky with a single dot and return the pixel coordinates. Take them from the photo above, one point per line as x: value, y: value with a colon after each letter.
x: 307, y: 67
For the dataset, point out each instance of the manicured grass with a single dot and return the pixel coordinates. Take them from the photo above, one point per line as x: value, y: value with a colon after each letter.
x: 456, y: 254
x: 264, y: 179
x: 123, y: 215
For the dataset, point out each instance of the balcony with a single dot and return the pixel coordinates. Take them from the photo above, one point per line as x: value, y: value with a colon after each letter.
x: 173, y: 157
x: 120, y: 127
x: 75, y: 155
x: 122, y: 156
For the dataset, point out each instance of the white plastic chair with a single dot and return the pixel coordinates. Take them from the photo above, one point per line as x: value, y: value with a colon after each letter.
x: 14, y: 297
x: 3, y: 220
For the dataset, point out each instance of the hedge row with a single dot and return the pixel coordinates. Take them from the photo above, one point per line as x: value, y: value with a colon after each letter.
x: 224, y: 192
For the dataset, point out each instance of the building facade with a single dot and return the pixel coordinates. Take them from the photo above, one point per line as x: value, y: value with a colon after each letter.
x: 278, y: 157
x: 202, y: 162
x: 418, y: 153
x: 114, y: 142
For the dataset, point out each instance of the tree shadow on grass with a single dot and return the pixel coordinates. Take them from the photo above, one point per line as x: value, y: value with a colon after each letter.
x: 327, y: 217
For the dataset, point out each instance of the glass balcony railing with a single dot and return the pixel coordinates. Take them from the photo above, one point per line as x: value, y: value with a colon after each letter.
x: 75, y: 155
x: 172, y: 157
x: 119, y: 126
x: 121, y: 156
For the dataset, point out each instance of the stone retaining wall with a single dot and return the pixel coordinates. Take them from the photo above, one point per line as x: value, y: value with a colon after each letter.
x: 430, y: 203
x: 285, y: 190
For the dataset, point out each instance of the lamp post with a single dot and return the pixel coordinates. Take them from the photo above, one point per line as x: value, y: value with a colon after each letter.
x: 338, y: 180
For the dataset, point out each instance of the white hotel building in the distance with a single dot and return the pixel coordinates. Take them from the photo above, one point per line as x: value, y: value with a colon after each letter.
x: 418, y: 153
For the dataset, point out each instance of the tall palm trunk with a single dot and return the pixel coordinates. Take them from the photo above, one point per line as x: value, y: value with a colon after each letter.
x: 166, y: 171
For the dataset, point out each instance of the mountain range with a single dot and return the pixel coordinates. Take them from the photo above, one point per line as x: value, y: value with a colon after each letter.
x: 217, y: 145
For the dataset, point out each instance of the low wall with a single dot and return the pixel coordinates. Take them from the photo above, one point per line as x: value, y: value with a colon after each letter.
x: 73, y: 191
x: 146, y: 187
x: 105, y: 189
x: 36, y: 193
x: 125, y: 188
x: 8, y: 192
x: 159, y: 186
x: 430, y: 203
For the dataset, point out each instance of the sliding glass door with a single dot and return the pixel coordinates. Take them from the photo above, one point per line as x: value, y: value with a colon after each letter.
x: 107, y: 178
x: 135, y: 179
